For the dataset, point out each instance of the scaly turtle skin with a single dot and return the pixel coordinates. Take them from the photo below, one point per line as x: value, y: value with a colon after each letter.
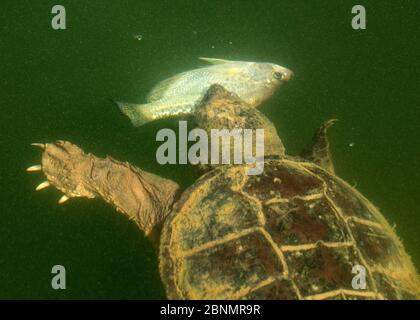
x: 296, y: 231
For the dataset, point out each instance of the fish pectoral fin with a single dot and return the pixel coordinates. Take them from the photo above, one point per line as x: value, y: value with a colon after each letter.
x: 214, y: 60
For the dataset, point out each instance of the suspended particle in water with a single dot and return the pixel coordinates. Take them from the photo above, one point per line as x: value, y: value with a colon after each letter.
x: 351, y: 144
x: 138, y: 37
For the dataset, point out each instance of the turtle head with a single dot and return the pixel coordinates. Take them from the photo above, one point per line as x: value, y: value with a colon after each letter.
x: 221, y: 111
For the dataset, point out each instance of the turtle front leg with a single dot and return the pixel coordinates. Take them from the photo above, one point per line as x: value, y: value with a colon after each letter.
x: 142, y: 196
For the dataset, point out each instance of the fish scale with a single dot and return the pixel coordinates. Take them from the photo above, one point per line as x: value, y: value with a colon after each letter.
x: 253, y: 82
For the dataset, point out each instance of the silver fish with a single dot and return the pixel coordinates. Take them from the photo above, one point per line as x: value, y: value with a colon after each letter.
x: 253, y: 82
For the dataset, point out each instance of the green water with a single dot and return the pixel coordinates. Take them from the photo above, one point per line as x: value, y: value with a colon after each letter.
x: 55, y: 85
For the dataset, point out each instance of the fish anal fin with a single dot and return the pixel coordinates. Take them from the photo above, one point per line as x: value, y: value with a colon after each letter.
x: 139, y: 114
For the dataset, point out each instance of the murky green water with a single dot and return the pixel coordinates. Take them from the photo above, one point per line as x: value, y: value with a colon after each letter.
x: 55, y: 85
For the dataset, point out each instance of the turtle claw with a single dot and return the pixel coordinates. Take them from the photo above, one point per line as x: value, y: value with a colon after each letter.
x: 41, y: 145
x: 34, y: 168
x: 42, y: 185
x: 63, y: 199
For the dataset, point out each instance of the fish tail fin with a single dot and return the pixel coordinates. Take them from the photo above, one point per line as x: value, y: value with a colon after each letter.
x: 139, y: 114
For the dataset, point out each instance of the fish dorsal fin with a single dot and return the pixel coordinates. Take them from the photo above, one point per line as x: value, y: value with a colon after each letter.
x: 159, y: 89
x: 214, y: 61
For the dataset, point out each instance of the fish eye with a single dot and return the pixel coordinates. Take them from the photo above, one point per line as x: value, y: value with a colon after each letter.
x: 278, y: 75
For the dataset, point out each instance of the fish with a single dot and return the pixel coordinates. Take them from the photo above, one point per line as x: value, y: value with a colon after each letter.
x: 178, y: 96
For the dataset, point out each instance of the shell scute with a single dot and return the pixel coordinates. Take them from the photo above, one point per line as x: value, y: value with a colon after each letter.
x: 299, y: 222
x: 323, y: 269
x: 230, y: 269
x: 210, y: 216
x: 342, y: 195
x: 376, y: 245
x: 294, y: 232
x: 290, y: 182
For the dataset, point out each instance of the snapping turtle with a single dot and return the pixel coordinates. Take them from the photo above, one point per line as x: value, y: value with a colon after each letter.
x: 296, y: 231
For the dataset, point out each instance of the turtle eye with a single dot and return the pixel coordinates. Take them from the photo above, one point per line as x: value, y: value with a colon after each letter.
x: 278, y: 75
